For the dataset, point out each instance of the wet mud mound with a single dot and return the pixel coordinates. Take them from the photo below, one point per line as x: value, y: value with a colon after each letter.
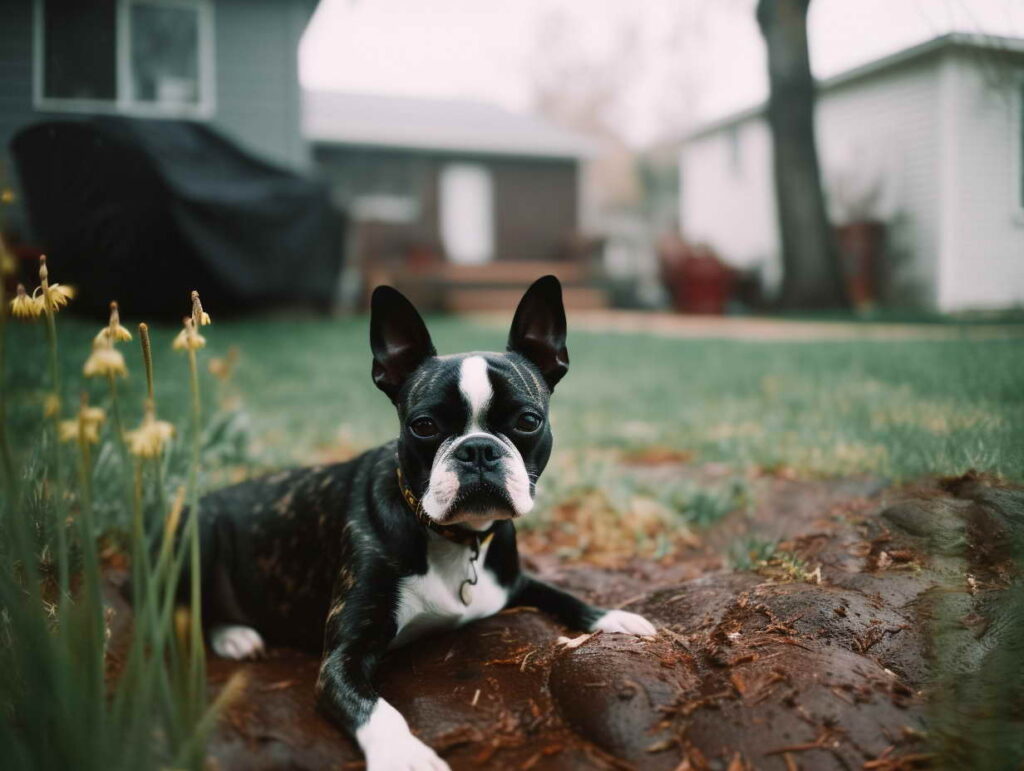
x: 841, y: 654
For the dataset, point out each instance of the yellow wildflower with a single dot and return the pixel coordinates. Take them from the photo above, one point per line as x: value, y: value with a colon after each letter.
x: 199, y: 317
x: 85, y: 427
x: 58, y: 295
x: 50, y: 297
x: 7, y: 263
x: 188, y: 339
x: 7, y: 196
x: 68, y: 430
x: 222, y: 368
x: 148, y: 440
x: 105, y: 361
x: 113, y: 331
x: 51, y: 406
x: 23, y: 306
x: 92, y: 415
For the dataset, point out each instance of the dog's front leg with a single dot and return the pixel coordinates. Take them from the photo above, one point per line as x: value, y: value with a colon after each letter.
x: 359, y: 629
x: 575, y: 613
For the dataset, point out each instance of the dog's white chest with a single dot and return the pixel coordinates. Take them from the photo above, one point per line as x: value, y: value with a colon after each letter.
x: 433, y: 601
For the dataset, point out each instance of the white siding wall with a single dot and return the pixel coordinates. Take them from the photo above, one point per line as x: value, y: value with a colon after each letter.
x: 879, y: 133
x: 727, y: 200
x: 258, y: 92
x: 884, y: 134
x: 984, y: 267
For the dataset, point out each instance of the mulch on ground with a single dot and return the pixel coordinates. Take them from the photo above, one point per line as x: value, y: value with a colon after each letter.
x: 825, y: 659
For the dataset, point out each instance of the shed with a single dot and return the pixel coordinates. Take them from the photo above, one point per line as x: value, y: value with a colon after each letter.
x: 459, y: 202
x: 928, y: 140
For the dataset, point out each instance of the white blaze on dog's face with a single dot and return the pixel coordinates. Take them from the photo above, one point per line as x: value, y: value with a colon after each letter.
x: 480, y: 474
x: 475, y: 433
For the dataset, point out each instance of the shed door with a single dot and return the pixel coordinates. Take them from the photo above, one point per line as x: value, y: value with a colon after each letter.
x: 467, y: 213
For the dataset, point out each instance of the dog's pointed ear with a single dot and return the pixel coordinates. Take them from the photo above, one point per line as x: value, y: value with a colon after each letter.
x: 398, y: 338
x: 538, y: 329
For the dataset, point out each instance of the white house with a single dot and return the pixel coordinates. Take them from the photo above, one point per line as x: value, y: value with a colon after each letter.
x: 929, y: 140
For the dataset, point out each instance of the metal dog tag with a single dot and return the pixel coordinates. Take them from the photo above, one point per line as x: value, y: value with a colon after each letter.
x: 466, y: 593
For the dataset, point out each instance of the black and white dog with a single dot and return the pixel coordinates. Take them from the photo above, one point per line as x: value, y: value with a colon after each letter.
x: 414, y: 536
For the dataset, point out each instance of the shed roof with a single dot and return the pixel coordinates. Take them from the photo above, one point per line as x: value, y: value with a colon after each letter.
x: 450, y: 125
x: 995, y: 43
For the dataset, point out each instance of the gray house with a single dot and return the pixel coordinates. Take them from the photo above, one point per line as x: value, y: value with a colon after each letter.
x: 458, y: 202
x: 230, y: 63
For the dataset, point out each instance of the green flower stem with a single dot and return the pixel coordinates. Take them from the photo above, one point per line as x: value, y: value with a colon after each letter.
x: 5, y: 450
x: 61, y: 519
x: 93, y: 600
x: 158, y: 462
x: 115, y: 411
x: 197, y: 663
x: 140, y: 557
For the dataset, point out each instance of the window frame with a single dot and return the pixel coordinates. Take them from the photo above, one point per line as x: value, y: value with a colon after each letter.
x: 123, y: 104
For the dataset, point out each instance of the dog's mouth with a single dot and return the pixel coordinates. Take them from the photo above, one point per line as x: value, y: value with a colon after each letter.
x: 478, y: 502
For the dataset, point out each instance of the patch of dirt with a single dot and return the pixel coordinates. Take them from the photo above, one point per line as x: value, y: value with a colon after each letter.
x: 749, y: 670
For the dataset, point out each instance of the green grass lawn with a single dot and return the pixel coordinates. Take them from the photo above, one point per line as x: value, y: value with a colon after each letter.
x: 302, y: 392
x: 894, y: 408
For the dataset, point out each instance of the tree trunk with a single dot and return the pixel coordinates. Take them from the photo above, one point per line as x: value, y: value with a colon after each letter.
x: 812, y: 278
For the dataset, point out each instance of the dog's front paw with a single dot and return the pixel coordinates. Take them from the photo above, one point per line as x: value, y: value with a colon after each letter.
x: 625, y: 622
x: 403, y: 752
x: 389, y: 745
x: 236, y: 642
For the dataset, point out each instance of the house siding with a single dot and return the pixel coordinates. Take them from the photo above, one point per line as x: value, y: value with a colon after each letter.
x: 985, y: 264
x: 876, y: 133
x: 727, y: 199
x: 257, y: 74
x: 257, y: 92
x: 15, y: 90
x: 884, y: 134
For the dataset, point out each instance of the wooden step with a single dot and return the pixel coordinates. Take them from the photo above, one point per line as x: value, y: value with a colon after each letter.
x: 576, y: 298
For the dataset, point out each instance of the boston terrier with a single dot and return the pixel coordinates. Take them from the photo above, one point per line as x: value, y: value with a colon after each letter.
x: 415, y: 536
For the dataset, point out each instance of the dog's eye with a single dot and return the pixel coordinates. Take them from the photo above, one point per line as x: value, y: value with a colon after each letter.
x: 528, y: 422
x: 424, y: 428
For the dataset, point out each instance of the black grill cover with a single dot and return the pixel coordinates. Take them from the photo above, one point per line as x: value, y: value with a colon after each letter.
x: 144, y: 211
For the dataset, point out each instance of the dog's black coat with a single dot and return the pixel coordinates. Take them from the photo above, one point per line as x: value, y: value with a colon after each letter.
x: 315, y: 557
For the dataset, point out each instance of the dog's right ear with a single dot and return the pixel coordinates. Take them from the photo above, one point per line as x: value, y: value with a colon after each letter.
x: 398, y: 338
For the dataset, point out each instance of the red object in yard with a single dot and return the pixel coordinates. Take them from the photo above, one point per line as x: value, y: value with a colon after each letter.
x: 698, y: 281
x: 861, y: 247
x: 26, y: 260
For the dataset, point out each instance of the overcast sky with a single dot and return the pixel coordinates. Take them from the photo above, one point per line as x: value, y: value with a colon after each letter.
x: 706, y: 52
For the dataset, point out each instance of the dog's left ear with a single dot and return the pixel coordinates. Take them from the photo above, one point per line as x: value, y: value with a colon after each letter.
x: 398, y: 338
x: 538, y: 329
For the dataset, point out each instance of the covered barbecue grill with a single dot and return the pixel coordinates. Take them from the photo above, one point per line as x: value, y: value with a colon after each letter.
x: 143, y: 211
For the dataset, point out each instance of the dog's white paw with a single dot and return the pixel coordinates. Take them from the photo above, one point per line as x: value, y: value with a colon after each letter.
x: 625, y: 622
x: 236, y: 642
x: 389, y: 745
x: 404, y: 753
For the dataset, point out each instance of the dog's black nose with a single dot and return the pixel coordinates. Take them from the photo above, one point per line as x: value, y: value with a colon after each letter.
x: 478, y: 453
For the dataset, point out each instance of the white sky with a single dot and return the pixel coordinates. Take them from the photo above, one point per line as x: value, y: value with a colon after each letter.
x: 486, y: 50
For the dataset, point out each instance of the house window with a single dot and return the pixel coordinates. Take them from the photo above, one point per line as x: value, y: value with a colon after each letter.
x: 467, y: 213
x: 145, y: 57
x: 80, y: 41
